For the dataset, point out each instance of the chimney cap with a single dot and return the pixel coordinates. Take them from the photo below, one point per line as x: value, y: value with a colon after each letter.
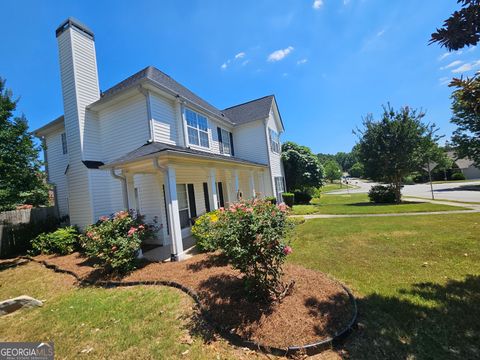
x: 72, y: 22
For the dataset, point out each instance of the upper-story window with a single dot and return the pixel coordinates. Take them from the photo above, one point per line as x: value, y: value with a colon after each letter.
x: 274, y: 141
x: 197, y: 127
x: 64, y: 143
x: 225, y: 141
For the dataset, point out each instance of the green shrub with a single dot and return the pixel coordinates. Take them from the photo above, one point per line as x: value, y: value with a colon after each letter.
x: 382, y: 194
x: 408, y: 180
x: 252, y: 235
x: 271, y: 199
x: 302, y: 198
x: 62, y: 241
x: 115, y: 241
x: 288, y: 199
x: 204, y: 231
x: 458, y: 176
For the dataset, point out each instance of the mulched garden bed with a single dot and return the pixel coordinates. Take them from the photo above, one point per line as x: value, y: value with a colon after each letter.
x: 317, y: 309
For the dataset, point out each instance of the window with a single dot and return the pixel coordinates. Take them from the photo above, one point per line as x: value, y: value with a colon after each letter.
x: 279, y: 186
x: 197, y: 128
x: 274, y: 141
x: 225, y: 141
x: 183, y: 208
x: 64, y: 143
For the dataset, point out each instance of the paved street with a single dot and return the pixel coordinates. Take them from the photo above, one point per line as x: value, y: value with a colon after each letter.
x: 457, y: 191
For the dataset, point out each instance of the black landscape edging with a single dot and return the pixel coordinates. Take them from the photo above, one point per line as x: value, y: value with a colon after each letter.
x: 309, y: 349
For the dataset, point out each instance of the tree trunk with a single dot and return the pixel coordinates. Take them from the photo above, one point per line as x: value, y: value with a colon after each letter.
x: 398, y: 191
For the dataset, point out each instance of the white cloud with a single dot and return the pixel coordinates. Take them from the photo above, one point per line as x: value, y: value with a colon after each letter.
x: 472, y: 48
x: 444, y: 80
x: 279, y: 54
x: 245, y: 62
x: 345, y: 2
x: 240, y: 55
x: 444, y: 56
x: 452, y: 64
x: 467, y: 67
x: 317, y: 4
x: 381, y: 32
x: 302, y: 61
x: 224, y: 66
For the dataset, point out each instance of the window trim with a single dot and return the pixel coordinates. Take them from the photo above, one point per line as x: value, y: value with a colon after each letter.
x: 225, y: 139
x: 187, y: 208
x: 197, y: 129
x: 275, y: 146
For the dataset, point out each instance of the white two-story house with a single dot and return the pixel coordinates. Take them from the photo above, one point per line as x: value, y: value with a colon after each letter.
x: 150, y: 144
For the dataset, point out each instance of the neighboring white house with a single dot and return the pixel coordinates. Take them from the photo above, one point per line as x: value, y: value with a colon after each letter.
x: 466, y: 166
x: 150, y: 144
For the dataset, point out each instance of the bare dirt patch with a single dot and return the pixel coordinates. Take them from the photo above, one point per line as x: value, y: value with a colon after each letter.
x: 317, y: 309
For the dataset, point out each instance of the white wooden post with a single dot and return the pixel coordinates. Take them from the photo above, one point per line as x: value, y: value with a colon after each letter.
x: 237, y: 186
x: 130, y: 191
x: 212, y: 181
x: 173, y: 214
x: 252, y: 185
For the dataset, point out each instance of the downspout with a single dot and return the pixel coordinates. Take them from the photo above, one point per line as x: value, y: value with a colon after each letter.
x: 151, y: 128
x: 123, y: 180
x: 163, y: 170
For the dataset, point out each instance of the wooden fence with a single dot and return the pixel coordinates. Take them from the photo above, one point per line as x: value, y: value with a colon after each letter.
x: 19, y: 227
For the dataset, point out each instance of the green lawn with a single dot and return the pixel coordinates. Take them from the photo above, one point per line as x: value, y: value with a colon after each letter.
x: 335, y: 186
x: 135, y: 323
x: 417, y: 279
x: 360, y: 204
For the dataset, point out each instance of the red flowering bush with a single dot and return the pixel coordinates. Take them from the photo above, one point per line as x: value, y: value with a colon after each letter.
x: 252, y: 234
x: 115, y: 241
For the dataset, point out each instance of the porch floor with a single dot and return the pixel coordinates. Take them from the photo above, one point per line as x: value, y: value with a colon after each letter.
x: 163, y: 253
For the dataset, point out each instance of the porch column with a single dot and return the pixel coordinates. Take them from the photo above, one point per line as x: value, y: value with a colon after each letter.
x: 130, y: 191
x: 173, y: 214
x: 212, y: 180
x: 237, y: 186
x: 228, y: 191
x: 252, y: 185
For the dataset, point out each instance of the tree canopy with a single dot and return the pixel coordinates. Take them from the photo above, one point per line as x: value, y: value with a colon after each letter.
x: 332, y: 170
x: 21, y: 180
x: 301, y: 166
x: 396, y: 145
x: 462, y: 28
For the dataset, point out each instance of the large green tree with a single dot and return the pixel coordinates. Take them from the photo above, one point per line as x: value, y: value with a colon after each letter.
x: 332, y: 170
x: 395, y: 146
x: 462, y: 29
x: 301, y: 166
x: 21, y: 179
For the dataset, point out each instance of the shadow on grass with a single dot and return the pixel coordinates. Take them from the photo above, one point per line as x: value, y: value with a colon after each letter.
x: 461, y: 188
x: 447, y: 328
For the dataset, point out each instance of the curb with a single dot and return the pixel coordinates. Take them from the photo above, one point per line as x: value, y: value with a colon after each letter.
x: 234, y: 339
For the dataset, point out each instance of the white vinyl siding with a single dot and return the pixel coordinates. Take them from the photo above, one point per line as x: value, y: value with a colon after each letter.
x: 250, y: 142
x: 164, y: 119
x: 276, y: 166
x: 64, y: 144
x: 197, y: 129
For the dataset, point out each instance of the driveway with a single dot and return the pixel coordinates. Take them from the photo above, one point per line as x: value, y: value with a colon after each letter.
x: 456, y: 191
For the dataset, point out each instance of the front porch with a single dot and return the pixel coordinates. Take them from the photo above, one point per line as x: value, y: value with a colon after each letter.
x: 172, y: 189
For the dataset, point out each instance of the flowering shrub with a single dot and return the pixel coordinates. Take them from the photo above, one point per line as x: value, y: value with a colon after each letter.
x: 205, y: 231
x: 115, y: 241
x: 252, y: 235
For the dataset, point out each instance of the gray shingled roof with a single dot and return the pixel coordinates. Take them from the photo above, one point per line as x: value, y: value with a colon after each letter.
x: 250, y: 111
x: 166, y: 81
x: 156, y: 147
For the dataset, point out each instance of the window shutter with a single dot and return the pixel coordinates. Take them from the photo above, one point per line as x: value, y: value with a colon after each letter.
x: 205, y: 195
x: 220, y: 142
x: 220, y: 194
x: 231, y: 145
x: 191, y: 200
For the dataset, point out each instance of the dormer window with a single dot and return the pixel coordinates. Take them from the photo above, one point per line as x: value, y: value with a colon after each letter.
x: 274, y: 141
x: 197, y: 127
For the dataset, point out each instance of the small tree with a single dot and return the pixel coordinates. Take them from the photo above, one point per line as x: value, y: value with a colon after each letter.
x: 21, y: 180
x: 395, y: 146
x: 332, y: 171
x: 356, y: 170
x: 302, y: 168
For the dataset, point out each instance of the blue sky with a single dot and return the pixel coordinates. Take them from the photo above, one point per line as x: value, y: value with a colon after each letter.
x: 328, y: 62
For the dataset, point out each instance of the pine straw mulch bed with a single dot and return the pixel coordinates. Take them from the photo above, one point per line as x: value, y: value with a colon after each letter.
x: 317, y: 309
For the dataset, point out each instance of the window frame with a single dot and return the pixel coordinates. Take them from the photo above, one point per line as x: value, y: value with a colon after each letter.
x: 198, y: 131
x: 183, y: 209
x: 274, y: 141
x: 226, y: 139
